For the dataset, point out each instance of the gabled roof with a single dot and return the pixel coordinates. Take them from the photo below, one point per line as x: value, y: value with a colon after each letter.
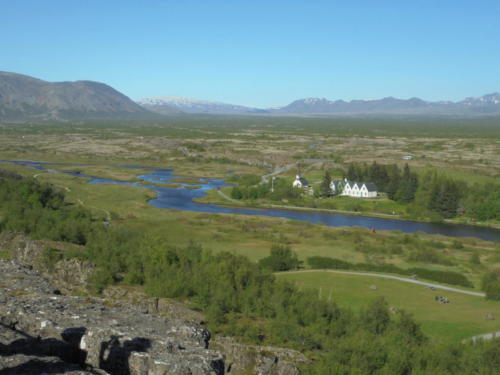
x: 371, y: 186
x: 303, y: 181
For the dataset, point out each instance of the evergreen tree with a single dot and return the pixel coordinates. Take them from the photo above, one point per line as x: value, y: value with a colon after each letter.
x: 352, y: 173
x: 236, y: 193
x: 324, y: 188
x: 408, y: 186
x: 394, y: 181
x: 451, y: 196
x: 378, y: 174
x: 444, y: 197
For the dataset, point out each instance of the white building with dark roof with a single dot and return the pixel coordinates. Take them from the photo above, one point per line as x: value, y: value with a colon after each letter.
x: 300, y: 182
x: 353, y: 189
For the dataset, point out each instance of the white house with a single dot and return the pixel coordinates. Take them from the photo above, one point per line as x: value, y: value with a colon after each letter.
x: 337, y: 186
x: 300, y: 182
x: 353, y: 189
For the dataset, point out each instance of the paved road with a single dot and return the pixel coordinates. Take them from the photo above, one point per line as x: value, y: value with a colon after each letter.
x: 265, y: 179
x: 404, y: 279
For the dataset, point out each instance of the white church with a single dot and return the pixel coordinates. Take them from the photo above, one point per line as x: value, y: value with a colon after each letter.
x: 302, y: 183
x: 353, y: 189
x: 341, y: 187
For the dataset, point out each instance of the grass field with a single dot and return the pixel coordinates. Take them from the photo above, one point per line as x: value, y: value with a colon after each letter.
x: 222, y: 146
x: 253, y: 236
x: 462, y: 318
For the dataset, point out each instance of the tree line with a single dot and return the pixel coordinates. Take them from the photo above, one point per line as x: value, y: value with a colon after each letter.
x: 39, y: 209
x: 431, y: 194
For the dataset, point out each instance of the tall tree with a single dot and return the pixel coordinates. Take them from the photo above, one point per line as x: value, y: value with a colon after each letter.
x: 444, y: 197
x: 352, y: 173
x: 394, y: 181
x: 408, y: 186
x: 378, y: 174
x: 324, y: 188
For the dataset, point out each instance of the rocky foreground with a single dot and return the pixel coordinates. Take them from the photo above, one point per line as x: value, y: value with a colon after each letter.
x: 43, y: 331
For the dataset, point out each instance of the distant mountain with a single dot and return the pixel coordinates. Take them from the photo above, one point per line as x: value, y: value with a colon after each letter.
x: 484, y: 105
x: 24, y: 98
x: 188, y: 105
x: 488, y: 104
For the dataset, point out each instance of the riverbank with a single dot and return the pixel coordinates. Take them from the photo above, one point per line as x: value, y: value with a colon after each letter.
x: 213, y: 198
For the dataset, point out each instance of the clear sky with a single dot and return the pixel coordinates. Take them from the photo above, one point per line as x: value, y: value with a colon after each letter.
x: 259, y: 53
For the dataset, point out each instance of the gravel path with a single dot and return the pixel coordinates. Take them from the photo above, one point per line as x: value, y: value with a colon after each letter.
x: 404, y: 279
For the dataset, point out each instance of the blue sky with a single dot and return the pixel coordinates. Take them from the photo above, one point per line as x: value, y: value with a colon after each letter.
x: 259, y: 53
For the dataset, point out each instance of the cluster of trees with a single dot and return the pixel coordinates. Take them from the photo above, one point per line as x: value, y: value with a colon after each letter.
x: 249, y: 187
x: 282, y: 258
x: 482, y: 201
x: 431, y: 194
x: 491, y: 285
x: 40, y: 210
x: 399, y: 185
x: 243, y: 298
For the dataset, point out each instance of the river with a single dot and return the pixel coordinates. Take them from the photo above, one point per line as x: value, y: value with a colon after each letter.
x: 182, y: 198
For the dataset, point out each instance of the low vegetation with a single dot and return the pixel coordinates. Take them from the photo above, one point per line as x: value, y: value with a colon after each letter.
x: 241, y: 297
x: 230, y: 278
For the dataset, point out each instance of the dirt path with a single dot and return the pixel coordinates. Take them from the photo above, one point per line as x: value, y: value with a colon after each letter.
x: 106, y: 212
x: 225, y: 196
x: 265, y: 179
x: 403, y: 279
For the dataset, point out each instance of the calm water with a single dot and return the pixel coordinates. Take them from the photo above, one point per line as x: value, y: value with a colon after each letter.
x: 181, y: 198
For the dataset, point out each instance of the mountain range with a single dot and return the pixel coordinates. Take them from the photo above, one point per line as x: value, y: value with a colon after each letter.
x: 164, y: 104
x: 484, y: 105
x: 24, y: 98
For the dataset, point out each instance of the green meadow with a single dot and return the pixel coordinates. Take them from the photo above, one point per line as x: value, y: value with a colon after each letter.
x: 463, y: 317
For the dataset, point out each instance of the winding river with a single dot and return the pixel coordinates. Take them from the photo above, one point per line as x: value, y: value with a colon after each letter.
x: 182, y: 198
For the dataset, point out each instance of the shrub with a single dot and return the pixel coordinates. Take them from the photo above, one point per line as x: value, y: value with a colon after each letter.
x: 327, y: 263
x: 490, y: 284
x: 448, y: 277
x: 474, y: 258
x: 282, y: 258
x: 50, y: 256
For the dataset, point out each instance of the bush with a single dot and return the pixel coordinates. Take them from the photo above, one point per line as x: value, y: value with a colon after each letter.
x: 428, y: 256
x: 491, y: 285
x: 282, y: 258
x: 448, y: 277
x: 475, y: 259
x: 40, y: 210
x: 327, y: 263
x: 50, y: 256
